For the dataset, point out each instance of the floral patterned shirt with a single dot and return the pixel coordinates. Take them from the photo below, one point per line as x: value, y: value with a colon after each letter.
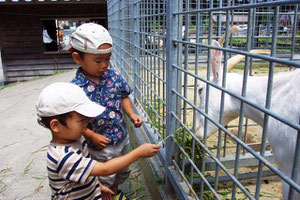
x: 108, y: 93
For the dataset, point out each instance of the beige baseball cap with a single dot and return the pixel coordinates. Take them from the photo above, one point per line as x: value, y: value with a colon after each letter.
x: 89, y: 36
x: 62, y: 97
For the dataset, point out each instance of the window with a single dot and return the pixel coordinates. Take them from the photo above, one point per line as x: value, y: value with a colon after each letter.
x: 56, y: 33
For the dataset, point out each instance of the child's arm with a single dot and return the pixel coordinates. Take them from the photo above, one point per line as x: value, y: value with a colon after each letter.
x: 128, y: 109
x: 114, y: 165
x: 100, y: 141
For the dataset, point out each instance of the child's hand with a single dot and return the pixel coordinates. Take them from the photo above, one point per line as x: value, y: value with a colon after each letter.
x: 100, y: 141
x: 136, y: 120
x: 106, y: 192
x: 148, y: 150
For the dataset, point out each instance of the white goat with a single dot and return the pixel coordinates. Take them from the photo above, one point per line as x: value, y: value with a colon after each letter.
x: 285, y: 102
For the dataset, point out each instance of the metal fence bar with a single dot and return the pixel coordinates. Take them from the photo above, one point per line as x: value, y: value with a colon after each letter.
x: 242, y: 6
x: 268, y: 101
x: 295, y: 165
x: 263, y: 57
x: 222, y: 101
x: 136, y: 56
x: 172, y: 6
x: 294, y: 31
x: 244, y: 87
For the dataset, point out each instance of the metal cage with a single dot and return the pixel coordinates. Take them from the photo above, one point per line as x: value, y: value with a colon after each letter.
x: 163, y: 48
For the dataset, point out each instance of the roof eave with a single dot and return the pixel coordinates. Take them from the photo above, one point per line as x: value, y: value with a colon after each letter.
x: 53, y: 2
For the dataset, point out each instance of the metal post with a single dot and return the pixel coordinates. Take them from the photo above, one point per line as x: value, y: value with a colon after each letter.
x: 171, y: 56
x: 180, y: 63
x: 135, y: 52
x: 295, y: 165
x: 121, y: 38
x: 294, y: 31
x: 268, y: 100
x: 268, y: 27
x: 203, y: 158
x: 222, y: 100
x: 255, y: 35
x: 219, y: 20
x: 244, y: 89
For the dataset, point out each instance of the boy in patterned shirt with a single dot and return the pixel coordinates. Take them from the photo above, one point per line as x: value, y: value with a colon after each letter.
x: 107, y: 136
x: 63, y: 108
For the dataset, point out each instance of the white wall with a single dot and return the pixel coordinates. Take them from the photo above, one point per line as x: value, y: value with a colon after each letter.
x: 2, y: 77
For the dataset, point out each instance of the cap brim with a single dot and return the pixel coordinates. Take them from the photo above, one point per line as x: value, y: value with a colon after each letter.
x: 90, y: 109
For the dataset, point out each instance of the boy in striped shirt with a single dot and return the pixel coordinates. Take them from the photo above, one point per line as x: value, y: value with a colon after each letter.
x: 64, y: 109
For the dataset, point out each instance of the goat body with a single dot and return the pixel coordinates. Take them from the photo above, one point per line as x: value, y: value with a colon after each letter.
x: 284, y: 102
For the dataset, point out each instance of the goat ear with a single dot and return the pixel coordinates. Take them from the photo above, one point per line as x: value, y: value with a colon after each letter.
x: 216, y: 57
x: 200, y: 89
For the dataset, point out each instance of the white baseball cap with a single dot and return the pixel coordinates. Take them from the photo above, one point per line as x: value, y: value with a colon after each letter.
x: 62, y: 97
x: 89, y: 36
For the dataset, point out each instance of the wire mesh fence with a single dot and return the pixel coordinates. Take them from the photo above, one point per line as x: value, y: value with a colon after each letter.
x: 176, y: 54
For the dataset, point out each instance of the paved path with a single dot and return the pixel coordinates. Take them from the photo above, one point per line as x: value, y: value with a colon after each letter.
x: 23, y: 143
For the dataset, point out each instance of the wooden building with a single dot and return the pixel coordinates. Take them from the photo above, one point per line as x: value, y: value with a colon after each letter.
x: 34, y: 35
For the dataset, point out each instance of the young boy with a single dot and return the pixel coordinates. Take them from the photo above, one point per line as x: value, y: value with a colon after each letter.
x: 107, y: 137
x: 64, y: 109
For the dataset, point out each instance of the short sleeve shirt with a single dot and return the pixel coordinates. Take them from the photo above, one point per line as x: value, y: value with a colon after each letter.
x: 69, y: 167
x: 108, y: 93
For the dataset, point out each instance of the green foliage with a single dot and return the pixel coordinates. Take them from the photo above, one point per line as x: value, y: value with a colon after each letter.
x: 9, y: 85
x: 26, y: 169
x: 185, y: 140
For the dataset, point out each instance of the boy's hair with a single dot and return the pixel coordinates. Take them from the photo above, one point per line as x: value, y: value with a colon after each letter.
x: 45, y: 121
x: 80, y: 53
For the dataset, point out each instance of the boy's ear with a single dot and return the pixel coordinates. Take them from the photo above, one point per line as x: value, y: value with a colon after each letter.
x: 77, y: 59
x: 54, y: 125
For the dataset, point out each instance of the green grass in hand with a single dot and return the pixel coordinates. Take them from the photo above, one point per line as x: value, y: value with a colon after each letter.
x: 164, y: 139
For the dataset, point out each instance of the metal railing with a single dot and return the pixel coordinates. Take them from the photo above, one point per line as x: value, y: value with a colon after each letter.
x: 163, y: 48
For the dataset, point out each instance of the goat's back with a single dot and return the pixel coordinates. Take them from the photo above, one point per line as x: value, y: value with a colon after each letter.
x: 285, y: 103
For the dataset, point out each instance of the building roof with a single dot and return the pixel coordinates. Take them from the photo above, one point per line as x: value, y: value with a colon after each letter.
x: 236, y: 18
x: 31, y: 2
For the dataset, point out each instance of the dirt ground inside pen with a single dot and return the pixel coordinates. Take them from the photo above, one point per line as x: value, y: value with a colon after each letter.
x: 271, y: 185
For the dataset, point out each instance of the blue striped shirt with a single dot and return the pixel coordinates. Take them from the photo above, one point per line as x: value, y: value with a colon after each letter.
x: 69, y: 167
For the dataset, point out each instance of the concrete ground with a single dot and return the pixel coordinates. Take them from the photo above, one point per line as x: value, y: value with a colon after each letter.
x: 23, y: 145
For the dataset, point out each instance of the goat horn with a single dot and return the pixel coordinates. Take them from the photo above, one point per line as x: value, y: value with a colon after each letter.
x: 233, y: 61
x: 231, y: 30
